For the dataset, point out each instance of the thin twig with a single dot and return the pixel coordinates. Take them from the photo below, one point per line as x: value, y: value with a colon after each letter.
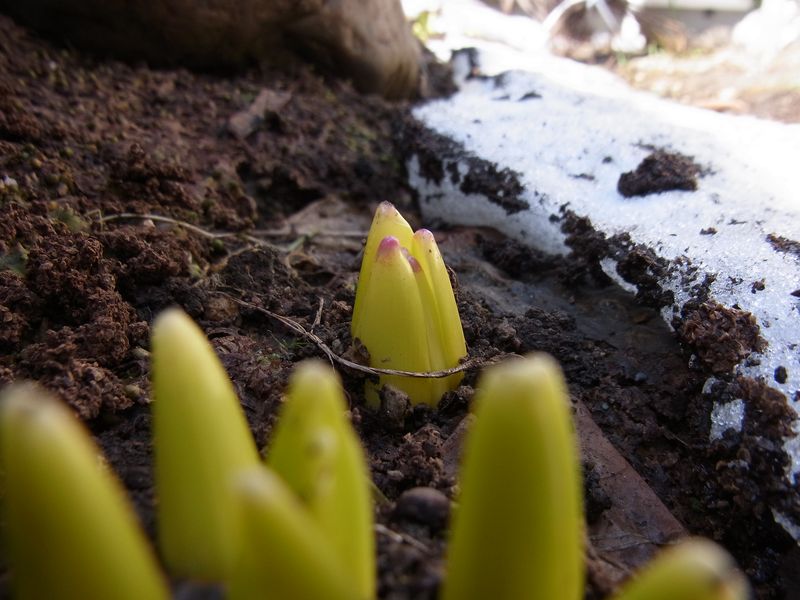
x: 474, y: 363
x: 170, y: 220
x: 193, y: 228
x: 401, y: 538
x: 288, y: 231
x: 255, y: 236
x: 318, y: 316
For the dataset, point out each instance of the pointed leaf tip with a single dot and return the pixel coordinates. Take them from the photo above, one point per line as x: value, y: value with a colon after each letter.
x: 520, y: 491
x: 388, y: 245
x: 317, y: 453
x: 387, y: 207
x: 285, y: 553
x: 696, y: 569
x: 415, y: 266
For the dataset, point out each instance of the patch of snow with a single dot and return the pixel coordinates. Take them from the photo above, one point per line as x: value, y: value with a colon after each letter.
x: 570, y: 148
x: 789, y: 525
x: 570, y: 132
x: 709, y: 385
x: 773, y: 26
x: 609, y: 266
x: 726, y: 416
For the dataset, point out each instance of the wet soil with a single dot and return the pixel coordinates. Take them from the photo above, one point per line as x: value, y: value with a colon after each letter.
x: 660, y: 171
x: 124, y: 190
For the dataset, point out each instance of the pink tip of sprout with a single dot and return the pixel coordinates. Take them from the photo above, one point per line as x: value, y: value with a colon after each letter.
x: 388, y: 245
x: 415, y: 266
x: 424, y: 233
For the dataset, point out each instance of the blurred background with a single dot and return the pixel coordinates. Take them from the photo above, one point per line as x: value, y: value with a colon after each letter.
x: 737, y: 56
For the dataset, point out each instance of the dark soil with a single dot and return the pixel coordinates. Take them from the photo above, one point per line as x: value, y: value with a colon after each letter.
x: 242, y: 210
x: 783, y: 244
x: 660, y: 171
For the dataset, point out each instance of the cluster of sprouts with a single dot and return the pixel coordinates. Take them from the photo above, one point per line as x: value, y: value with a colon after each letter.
x: 405, y: 312
x: 298, y: 523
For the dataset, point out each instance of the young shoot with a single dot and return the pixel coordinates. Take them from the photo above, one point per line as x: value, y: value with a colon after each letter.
x: 68, y: 529
x: 695, y: 569
x: 518, y: 529
x: 201, y: 439
x: 405, y: 311
x: 285, y: 554
x: 317, y: 453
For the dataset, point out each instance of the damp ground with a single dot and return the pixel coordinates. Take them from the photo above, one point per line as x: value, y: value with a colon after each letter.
x: 125, y: 190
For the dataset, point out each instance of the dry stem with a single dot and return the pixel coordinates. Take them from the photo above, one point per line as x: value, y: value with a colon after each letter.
x: 474, y: 363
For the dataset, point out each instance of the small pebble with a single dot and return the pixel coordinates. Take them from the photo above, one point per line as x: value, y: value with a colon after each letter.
x: 133, y: 391
x: 424, y: 505
x: 781, y: 375
x: 395, y: 475
x: 395, y: 407
x: 221, y: 309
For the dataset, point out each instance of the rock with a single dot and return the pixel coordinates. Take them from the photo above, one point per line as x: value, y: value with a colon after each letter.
x: 395, y: 407
x: 424, y: 505
x: 368, y: 42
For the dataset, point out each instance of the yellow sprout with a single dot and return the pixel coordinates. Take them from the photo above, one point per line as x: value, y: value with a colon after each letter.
x: 285, y: 555
x: 317, y: 453
x: 69, y: 530
x: 518, y: 529
x: 201, y: 438
x: 695, y: 569
x: 387, y: 221
x: 405, y: 312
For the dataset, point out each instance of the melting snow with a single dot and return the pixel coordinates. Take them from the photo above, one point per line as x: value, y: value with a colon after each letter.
x: 570, y: 132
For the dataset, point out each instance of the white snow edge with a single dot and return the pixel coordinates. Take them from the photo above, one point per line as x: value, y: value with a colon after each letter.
x: 559, y: 145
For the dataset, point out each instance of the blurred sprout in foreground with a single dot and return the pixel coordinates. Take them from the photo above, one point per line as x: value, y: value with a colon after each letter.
x: 201, y: 439
x: 317, y: 453
x: 286, y: 554
x: 217, y: 523
x: 67, y: 525
x: 518, y: 529
x: 223, y: 515
x: 695, y: 569
x: 405, y: 312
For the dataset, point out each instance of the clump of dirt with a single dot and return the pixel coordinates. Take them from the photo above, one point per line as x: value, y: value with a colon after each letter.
x: 515, y: 258
x: 784, y: 244
x: 660, y: 171
x: 721, y: 337
x: 439, y: 158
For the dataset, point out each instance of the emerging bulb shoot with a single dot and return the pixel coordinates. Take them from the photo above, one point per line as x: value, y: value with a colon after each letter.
x: 518, y: 529
x: 694, y: 569
x: 405, y: 311
x: 201, y: 438
x: 68, y: 529
x: 317, y: 453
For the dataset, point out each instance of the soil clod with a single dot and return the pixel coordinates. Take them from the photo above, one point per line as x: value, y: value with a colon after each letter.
x: 660, y: 171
